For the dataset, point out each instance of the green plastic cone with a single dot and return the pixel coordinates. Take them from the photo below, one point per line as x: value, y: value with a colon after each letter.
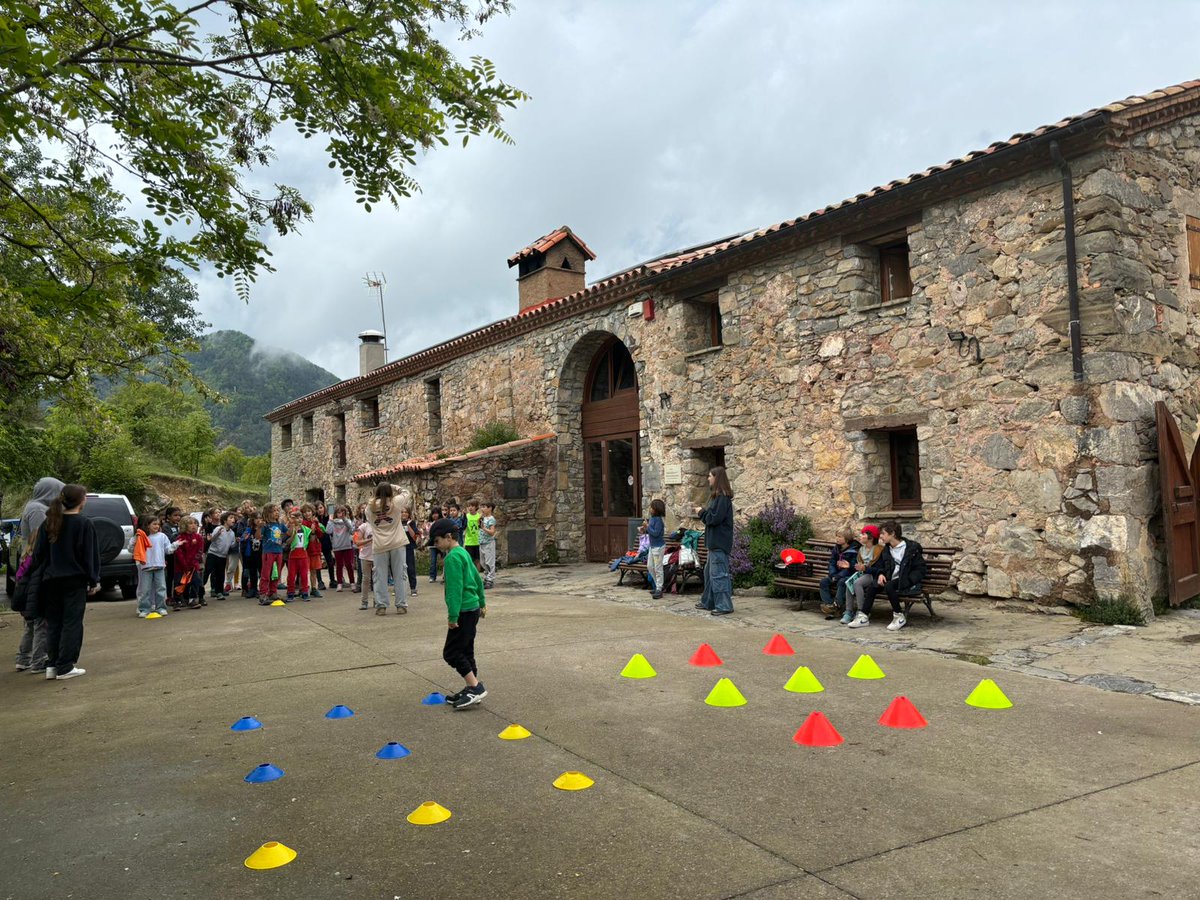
x: 638, y: 667
x: 865, y: 668
x: 987, y: 695
x: 803, y: 681
x: 725, y: 693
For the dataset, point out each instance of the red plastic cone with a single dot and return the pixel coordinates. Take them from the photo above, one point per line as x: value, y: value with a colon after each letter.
x: 705, y: 656
x: 778, y: 646
x: 817, y: 732
x: 902, y: 714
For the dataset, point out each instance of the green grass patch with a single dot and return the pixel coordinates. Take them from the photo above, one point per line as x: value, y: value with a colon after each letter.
x: 1117, y: 611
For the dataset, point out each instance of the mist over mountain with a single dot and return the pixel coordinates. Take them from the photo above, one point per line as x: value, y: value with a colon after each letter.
x: 254, y: 378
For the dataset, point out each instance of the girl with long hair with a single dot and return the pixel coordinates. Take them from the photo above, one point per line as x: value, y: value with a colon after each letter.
x: 68, y: 550
x: 389, y: 542
x: 717, y: 517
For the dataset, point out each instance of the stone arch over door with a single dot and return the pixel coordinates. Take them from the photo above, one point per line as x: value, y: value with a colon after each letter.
x: 610, y: 446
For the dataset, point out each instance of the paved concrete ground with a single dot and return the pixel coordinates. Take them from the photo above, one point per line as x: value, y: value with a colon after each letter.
x: 128, y: 782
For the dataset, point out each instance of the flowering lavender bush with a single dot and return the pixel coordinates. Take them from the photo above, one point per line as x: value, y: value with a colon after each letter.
x: 757, y: 543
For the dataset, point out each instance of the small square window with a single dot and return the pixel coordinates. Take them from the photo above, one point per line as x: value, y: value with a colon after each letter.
x: 285, y: 435
x: 516, y: 488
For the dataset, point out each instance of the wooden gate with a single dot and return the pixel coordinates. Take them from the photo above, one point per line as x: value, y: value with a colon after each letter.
x: 1181, y: 525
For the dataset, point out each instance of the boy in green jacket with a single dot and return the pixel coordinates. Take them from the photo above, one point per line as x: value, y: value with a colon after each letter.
x: 465, y: 606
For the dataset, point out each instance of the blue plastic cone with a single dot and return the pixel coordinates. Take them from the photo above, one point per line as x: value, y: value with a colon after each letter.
x: 393, y: 750
x: 339, y: 712
x: 245, y: 723
x: 264, y: 773
x: 434, y: 699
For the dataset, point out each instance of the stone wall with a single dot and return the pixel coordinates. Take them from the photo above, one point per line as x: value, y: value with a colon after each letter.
x: 482, y: 476
x: 1047, y: 484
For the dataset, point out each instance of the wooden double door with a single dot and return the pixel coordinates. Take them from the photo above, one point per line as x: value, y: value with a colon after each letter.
x: 611, y: 452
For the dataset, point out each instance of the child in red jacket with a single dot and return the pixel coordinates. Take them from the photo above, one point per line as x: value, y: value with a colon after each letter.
x: 188, y: 589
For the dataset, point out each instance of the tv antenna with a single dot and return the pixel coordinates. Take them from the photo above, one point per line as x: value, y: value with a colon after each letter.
x: 377, y: 280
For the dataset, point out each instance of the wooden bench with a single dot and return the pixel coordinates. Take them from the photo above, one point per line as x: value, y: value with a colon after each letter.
x: 806, y: 576
x: 684, y: 573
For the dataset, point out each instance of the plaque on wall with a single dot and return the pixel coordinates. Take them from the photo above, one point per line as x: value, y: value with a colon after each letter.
x: 673, y: 474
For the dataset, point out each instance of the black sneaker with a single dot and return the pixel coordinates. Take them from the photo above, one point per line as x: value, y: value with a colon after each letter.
x: 451, y: 699
x: 470, y: 696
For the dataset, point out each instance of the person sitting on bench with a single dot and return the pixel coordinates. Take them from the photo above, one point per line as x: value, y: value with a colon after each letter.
x: 900, y: 570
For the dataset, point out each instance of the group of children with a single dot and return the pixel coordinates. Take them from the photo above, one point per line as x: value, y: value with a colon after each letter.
x: 178, y: 554
x: 291, y: 548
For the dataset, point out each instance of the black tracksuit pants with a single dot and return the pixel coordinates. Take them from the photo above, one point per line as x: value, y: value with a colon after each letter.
x: 62, y: 602
x: 459, y: 651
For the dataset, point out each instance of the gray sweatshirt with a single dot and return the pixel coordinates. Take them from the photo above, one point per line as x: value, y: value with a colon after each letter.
x: 34, y: 513
x: 222, y: 541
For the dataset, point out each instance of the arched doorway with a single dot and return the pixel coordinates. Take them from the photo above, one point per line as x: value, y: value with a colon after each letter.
x: 612, y: 471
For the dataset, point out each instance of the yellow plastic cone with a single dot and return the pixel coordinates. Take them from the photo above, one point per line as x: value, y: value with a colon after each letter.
x: 429, y: 813
x: 278, y: 603
x: 987, y: 695
x: 514, y: 733
x: 638, y: 667
x: 153, y: 615
x: 270, y: 855
x: 573, y: 781
x: 803, y: 681
x: 725, y: 693
x: 865, y: 668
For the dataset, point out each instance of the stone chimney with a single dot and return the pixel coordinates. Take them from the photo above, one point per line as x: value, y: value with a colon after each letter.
x: 551, y: 267
x: 372, y: 351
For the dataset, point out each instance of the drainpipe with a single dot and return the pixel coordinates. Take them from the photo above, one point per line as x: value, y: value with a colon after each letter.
x: 1073, y: 325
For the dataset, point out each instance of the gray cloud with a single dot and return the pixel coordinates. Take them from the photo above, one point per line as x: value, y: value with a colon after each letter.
x: 654, y: 126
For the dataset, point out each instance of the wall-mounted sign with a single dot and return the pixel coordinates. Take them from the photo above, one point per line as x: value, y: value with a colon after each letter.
x: 673, y: 474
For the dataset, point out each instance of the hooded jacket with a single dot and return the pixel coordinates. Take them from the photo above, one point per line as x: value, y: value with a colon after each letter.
x: 34, y: 513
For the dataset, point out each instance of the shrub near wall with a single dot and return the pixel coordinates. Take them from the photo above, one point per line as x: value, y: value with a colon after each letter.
x: 757, y: 542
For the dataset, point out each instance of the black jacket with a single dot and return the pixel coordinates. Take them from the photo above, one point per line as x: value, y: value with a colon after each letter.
x: 912, y: 567
x: 76, y: 553
x: 718, y: 523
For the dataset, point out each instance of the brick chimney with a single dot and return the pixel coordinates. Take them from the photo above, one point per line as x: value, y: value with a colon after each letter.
x: 551, y: 267
x: 372, y: 351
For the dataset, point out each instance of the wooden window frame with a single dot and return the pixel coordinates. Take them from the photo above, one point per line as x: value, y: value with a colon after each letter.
x: 285, y: 435
x: 897, y: 502
x: 1192, y: 230
x: 894, y: 257
x: 716, y: 336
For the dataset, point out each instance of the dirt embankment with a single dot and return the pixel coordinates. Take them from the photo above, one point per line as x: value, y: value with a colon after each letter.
x: 191, y: 495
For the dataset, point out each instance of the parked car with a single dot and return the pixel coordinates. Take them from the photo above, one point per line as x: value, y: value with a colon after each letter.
x: 116, y: 524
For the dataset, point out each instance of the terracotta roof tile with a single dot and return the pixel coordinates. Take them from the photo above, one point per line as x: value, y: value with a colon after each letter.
x: 1130, y: 105
x: 431, y: 461
x: 546, y: 241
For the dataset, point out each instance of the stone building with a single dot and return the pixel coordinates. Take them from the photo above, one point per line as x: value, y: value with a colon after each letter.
x: 902, y: 354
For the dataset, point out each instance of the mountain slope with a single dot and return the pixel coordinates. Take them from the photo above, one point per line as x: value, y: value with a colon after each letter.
x: 255, y: 379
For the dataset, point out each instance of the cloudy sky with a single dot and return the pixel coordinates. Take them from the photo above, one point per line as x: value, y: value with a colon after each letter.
x: 657, y: 125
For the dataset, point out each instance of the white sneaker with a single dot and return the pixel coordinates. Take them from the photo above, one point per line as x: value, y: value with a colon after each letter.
x: 51, y: 673
x: 898, y: 622
x: 338, y: 589
x: 74, y: 673
x: 142, y: 615
x: 162, y: 610
x: 861, y: 620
